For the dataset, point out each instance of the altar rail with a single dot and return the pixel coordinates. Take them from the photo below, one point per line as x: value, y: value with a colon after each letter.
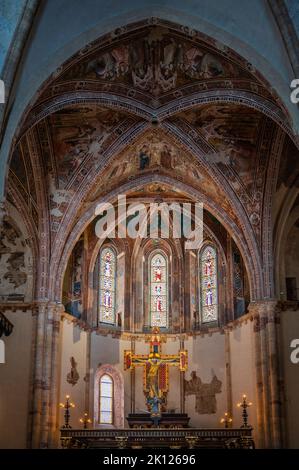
x: 157, y: 438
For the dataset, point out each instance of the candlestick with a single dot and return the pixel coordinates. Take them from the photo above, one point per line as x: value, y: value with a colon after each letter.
x: 244, y: 404
x: 227, y: 420
x: 67, y: 405
x: 85, y: 421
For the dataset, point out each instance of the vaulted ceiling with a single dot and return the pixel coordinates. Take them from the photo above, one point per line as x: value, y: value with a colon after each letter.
x: 206, y: 120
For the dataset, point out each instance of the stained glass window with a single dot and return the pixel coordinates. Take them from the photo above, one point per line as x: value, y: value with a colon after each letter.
x: 107, y: 285
x: 209, y: 294
x: 106, y: 400
x: 238, y: 284
x: 74, y: 301
x: 159, y: 291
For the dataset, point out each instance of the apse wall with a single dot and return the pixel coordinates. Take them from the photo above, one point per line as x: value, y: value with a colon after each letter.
x: 243, y: 372
x: 212, y: 356
x: 208, y: 355
x: 207, y: 358
x: 74, y: 345
x: 15, y: 376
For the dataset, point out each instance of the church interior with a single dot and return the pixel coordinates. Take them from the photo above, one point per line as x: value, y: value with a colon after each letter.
x: 161, y: 102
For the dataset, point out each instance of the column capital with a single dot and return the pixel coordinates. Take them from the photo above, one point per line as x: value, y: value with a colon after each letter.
x: 40, y: 305
x: 264, y: 311
x: 45, y: 304
x: 264, y: 306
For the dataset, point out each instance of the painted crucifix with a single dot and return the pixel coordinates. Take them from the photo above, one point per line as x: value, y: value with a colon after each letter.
x: 155, y: 367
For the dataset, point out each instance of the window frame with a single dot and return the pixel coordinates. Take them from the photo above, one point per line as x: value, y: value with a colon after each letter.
x: 99, y: 307
x: 166, y: 258
x: 200, y: 263
x: 112, y: 400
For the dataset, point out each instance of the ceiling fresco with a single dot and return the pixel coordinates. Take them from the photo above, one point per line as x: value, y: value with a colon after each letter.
x: 154, y: 153
x: 81, y: 133
x: 155, y: 62
x: 232, y: 131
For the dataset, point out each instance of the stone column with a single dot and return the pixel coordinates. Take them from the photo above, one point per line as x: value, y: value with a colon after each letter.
x: 45, y: 375
x: 182, y: 382
x: 132, y: 377
x: 53, y: 436
x: 269, y: 401
x: 276, y: 403
x: 228, y: 373
x: 37, y: 375
x: 259, y: 385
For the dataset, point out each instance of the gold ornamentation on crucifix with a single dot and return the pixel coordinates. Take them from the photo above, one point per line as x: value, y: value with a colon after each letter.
x: 155, y: 367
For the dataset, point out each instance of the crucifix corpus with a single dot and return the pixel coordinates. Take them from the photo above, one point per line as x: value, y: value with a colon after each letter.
x: 155, y: 371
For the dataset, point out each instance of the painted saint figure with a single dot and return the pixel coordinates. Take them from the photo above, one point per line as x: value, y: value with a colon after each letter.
x: 107, y: 265
x: 208, y: 265
x: 107, y: 299
x: 209, y: 296
x: 158, y: 274
x: 159, y: 303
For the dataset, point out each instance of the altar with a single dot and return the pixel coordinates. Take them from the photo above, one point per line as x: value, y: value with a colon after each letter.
x: 157, y: 438
x: 158, y: 427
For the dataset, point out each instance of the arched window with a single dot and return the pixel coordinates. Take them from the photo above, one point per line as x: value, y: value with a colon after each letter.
x: 107, y: 284
x: 108, y: 397
x: 106, y: 400
x: 159, y: 290
x: 209, y: 285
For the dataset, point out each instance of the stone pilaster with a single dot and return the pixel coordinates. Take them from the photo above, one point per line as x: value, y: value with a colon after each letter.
x: 269, y: 396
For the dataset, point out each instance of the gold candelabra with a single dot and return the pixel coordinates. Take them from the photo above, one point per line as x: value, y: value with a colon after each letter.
x: 67, y: 415
x: 85, y: 421
x: 226, y: 420
x: 244, y: 404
